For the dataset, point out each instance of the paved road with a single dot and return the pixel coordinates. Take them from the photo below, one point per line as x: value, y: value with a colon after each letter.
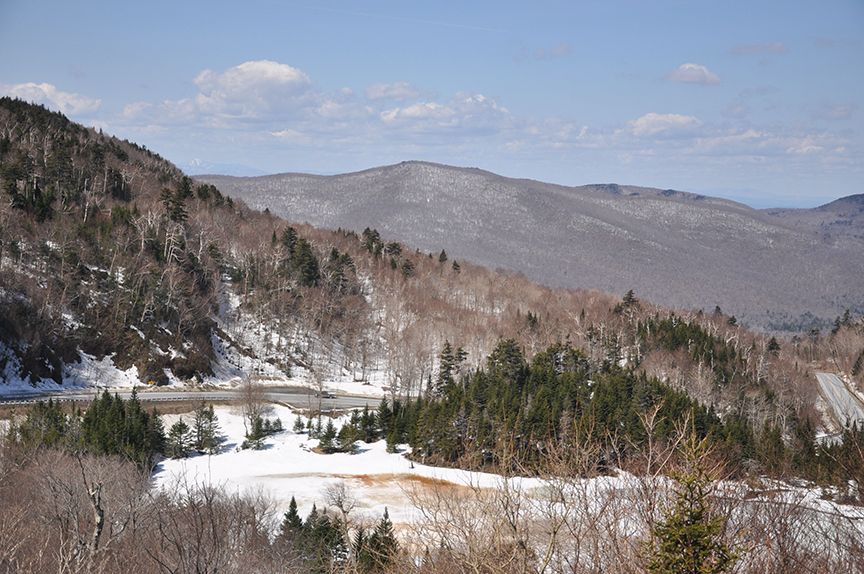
x: 847, y: 408
x: 296, y: 397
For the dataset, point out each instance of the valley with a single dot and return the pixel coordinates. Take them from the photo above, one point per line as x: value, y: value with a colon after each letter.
x: 574, y: 407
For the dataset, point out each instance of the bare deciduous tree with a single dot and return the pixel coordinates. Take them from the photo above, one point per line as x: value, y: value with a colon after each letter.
x: 252, y: 402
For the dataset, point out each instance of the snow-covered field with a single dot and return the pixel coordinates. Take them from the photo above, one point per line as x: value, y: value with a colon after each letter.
x: 287, y: 466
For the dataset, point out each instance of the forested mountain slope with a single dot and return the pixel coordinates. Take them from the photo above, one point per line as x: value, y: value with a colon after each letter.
x: 109, y: 253
x: 677, y: 249
x: 109, y: 250
x: 844, y: 216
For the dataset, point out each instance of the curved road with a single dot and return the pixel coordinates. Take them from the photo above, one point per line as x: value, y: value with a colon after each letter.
x: 847, y: 408
x: 296, y: 397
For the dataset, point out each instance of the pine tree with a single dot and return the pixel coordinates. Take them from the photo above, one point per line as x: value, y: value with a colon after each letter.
x: 689, y: 538
x: 299, y: 425
x: 384, y: 417
x: 382, y: 543
x: 305, y: 264
x: 447, y: 362
x: 180, y: 440
x: 292, y: 524
x: 289, y: 240
x: 328, y: 437
x: 206, y: 430
x: 368, y: 422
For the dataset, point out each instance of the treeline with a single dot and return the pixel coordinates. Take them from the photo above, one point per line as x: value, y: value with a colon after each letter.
x: 515, y: 414
x: 110, y: 426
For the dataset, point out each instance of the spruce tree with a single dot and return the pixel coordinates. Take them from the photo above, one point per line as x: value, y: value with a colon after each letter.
x: 689, y: 538
x: 292, y: 524
x: 305, y: 264
x: 299, y: 425
x: 180, y: 440
x: 382, y: 543
x: 206, y: 430
x: 328, y: 438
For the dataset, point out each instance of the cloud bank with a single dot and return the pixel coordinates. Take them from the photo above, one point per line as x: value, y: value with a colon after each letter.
x: 49, y: 96
x: 268, y: 114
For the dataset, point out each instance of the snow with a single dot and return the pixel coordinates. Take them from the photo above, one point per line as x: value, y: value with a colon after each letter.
x: 287, y: 466
x: 88, y: 373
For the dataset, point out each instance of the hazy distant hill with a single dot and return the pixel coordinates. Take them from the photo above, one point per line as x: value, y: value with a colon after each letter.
x: 844, y: 216
x: 673, y: 248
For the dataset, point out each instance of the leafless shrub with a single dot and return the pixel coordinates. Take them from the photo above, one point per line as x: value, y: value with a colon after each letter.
x: 202, y: 529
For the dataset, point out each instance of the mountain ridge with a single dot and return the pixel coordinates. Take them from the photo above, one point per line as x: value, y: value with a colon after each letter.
x: 773, y: 272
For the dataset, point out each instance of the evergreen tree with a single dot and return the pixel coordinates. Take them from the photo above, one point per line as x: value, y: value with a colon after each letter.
x: 46, y: 425
x: 206, y: 430
x: 348, y: 435
x: 305, y: 264
x: 689, y: 538
x: 328, y: 438
x: 289, y: 240
x: 299, y: 425
x: 180, y: 440
x: 292, y: 524
x: 368, y: 425
x: 321, y: 543
x: 447, y: 362
x: 407, y: 268
x: 112, y: 426
x: 382, y: 544
x: 372, y: 242
x: 384, y: 418
x: 772, y: 452
x: 442, y: 257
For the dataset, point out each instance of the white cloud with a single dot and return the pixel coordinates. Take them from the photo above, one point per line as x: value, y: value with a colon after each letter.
x: 253, y: 90
x: 265, y: 108
x: 693, y: 74
x: 252, y: 79
x: 259, y: 91
x: 51, y: 97
x: 400, y: 91
x: 664, y: 126
x: 466, y: 112
x: 777, y: 48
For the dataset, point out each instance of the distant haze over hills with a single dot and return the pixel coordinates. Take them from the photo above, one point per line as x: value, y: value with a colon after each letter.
x: 774, y: 269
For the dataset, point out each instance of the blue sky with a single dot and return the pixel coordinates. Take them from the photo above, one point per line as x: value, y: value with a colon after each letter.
x: 759, y: 101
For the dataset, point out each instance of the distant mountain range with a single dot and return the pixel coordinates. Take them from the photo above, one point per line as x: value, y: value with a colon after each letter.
x: 777, y: 269
x: 199, y: 167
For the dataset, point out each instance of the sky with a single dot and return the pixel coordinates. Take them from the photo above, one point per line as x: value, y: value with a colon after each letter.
x: 759, y: 101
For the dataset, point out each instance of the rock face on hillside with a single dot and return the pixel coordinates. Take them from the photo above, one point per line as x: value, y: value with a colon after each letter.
x: 673, y: 248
